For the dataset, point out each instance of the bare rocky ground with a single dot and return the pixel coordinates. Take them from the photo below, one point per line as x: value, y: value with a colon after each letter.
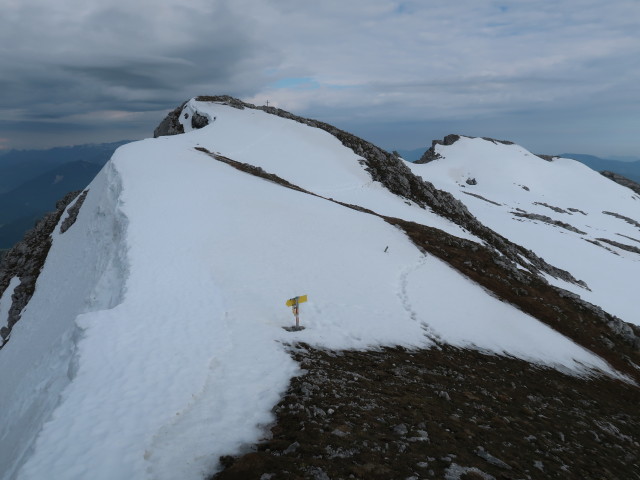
x: 444, y: 413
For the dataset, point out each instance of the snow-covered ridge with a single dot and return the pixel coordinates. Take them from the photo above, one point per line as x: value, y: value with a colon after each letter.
x: 560, y: 209
x: 154, y: 342
x: 387, y: 170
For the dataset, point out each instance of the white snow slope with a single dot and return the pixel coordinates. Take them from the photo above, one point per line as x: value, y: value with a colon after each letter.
x: 154, y: 342
x: 503, y: 171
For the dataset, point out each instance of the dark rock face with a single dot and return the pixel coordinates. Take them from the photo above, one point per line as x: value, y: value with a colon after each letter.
x: 630, y: 334
x: 199, y: 121
x: 170, y: 125
x: 25, y: 261
x: 72, y: 213
x: 471, y: 181
x: 431, y: 154
x: 624, y: 181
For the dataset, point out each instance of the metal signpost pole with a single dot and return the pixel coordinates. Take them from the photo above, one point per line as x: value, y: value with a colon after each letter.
x: 294, y: 303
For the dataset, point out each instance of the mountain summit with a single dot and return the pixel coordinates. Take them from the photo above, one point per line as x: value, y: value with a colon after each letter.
x: 150, y: 341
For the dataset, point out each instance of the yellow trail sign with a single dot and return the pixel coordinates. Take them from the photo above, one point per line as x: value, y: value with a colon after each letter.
x: 292, y: 301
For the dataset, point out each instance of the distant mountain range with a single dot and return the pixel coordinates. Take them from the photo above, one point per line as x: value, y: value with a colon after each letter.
x: 32, y: 181
x: 24, y: 205
x: 629, y: 169
x: 20, y: 166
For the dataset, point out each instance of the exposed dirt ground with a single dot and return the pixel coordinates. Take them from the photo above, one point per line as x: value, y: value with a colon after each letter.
x: 444, y: 413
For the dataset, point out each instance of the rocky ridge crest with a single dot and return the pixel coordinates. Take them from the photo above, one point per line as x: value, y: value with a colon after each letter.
x: 391, y: 171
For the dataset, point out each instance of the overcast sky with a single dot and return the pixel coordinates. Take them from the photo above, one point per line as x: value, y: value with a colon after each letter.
x: 555, y: 76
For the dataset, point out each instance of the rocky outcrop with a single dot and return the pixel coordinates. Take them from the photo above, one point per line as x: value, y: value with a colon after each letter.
x: 170, y: 125
x: 624, y: 181
x: 72, y: 213
x: 25, y: 261
x: 199, y: 121
x: 430, y: 155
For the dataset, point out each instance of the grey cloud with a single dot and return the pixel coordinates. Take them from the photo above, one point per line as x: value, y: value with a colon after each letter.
x: 128, y: 76
x: 422, y: 62
x: 125, y: 59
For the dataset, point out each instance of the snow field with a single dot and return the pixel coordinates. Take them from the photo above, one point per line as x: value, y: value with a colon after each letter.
x: 307, y: 157
x: 502, y: 170
x: 465, y: 315
x: 196, y: 335
x: 182, y: 265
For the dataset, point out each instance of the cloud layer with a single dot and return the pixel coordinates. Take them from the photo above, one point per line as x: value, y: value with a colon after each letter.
x: 102, y: 68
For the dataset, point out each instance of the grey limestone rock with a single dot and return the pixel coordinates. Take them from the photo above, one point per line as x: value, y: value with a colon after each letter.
x: 431, y: 154
x: 629, y: 333
x: 170, y: 124
x: 199, y: 121
x: 72, y: 213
